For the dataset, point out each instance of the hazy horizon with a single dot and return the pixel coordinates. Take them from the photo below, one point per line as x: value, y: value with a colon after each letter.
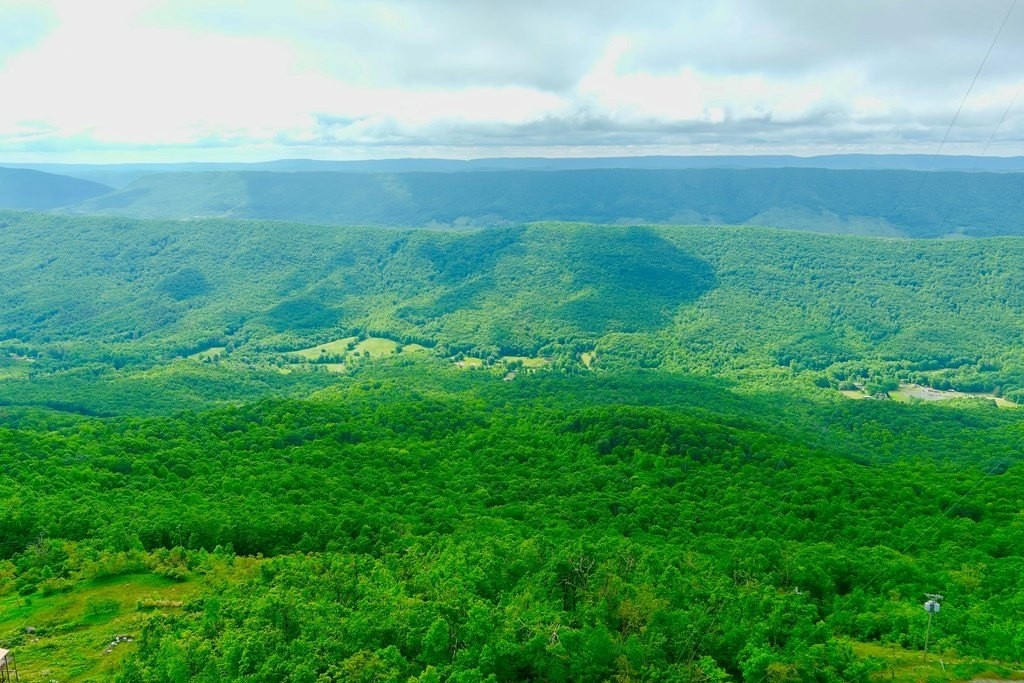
x: 610, y: 157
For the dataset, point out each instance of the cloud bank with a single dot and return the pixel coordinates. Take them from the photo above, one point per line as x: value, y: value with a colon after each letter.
x: 155, y: 80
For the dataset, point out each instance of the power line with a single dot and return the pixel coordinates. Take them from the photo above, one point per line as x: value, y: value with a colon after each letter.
x: 1000, y: 124
x: 916, y: 196
x: 984, y: 150
x: 872, y: 579
x: 967, y: 94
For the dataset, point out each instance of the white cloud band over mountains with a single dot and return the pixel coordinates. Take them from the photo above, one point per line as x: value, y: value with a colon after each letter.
x: 155, y: 80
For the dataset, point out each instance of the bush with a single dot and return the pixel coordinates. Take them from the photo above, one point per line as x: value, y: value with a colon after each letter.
x: 55, y: 585
x: 100, y: 606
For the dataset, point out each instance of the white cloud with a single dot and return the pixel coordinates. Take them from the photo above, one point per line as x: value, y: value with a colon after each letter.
x: 347, y: 79
x: 101, y: 75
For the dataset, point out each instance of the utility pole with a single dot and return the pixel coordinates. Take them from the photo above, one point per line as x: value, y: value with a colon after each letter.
x: 932, y: 607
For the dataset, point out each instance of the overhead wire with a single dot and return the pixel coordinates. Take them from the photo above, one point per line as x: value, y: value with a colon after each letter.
x: 1002, y: 120
x: 1002, y: 461
x: 963, y: 101
x: 984, y: 150
x: 970, y: 88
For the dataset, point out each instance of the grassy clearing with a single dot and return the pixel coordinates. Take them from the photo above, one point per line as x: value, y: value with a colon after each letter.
x: 913, y: 393
x: 211, y: 352
x: 13, y: 372
x: 344, y: 350
x: 14, y: 367
x: 908, y: 392
x: 588, y: 358
x: 338, y: 347
x: 527, y: 361
x: 74, y: 629
x: 908, y: 666
x: 311, y: 367
x: 376, y: 346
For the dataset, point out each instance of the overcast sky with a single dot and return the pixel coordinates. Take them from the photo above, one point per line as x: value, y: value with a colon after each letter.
x: 149, y: 80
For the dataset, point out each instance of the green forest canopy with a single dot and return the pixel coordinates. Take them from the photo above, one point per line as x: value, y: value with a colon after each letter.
x: 696, y: 504
x: 708, y: 299
x: 430, y: 522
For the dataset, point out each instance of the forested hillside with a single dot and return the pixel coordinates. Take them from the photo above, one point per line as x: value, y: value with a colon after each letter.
x: 709, y: 299
x: 881, y: 202
x: 27, y: 189
x: 431, y: 524
x: 394, y: 341
x: 274, y: 451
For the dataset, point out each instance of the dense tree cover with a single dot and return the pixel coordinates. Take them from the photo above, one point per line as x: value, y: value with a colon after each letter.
x: 441, y: 525
x: 655, y: 502
x: 98, y: 391
x: 175, y: 289
x: 730, y: 301
x: 27, y: 189
x: 892, y: 202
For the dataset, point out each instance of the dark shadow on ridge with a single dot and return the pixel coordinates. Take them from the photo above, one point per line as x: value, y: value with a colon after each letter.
x: 635, y: 279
